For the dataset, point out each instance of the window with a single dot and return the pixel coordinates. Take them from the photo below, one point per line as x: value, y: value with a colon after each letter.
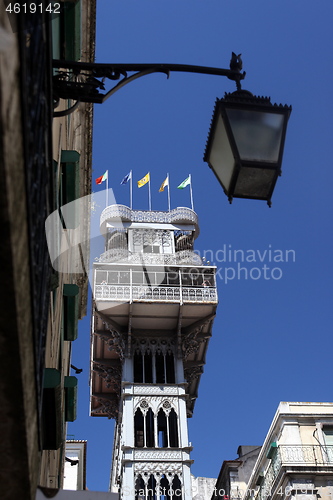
x: 170, y: 368
x: 328, y: 437
x: 69, y: 188
x: 162, y: 430
x: 160, y: 368
x: 149, y: 429
x: 140, y: 491
x: 173, y: 429
x: 165, y: 488
x: 151, y: 249
x: 153, y: 367
x: 148, y: 366
x: 138, y: 367
x: 66, y: 31
x: 144, y: 429
x: 138, y: 429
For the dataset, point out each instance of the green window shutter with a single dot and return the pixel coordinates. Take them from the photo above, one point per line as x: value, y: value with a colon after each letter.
x: 70, y: 398
x: 71, y: 311
x: 72, y: 30
x: 70, y: 187
x: 56, y: 36
x: 52, y: 418
x: 272, y: 450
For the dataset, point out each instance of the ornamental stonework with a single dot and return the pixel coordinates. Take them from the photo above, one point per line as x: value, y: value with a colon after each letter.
x: 157, y: 455
x: 156, y: 403
x: 144, y: 469
x: 155, y: 390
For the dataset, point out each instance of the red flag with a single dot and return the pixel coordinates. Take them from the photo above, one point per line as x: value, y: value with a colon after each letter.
x: 99, y: 180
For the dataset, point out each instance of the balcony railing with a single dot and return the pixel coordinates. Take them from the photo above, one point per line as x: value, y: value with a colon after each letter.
x: 183, y: 257
x: 126, y: 293
x: 182, y: 215
x: 294, y: 455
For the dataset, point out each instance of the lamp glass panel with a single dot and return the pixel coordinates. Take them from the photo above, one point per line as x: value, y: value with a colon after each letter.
x: 257, y: 134
x: 221, y: 158
x: 255, y: 182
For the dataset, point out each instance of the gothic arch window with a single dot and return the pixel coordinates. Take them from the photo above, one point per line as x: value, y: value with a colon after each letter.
x: 162, y: 430
x: 176, y: 488
x: 151, y: 488
x: 164, y: 488
x: 144, y: 426
x: 140, y: 491
x: 138, y: 429
x: 149, y: 428
x: 173, y: 429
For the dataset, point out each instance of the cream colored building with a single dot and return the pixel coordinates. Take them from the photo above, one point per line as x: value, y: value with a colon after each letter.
x: 234, y: 474
x: 296, y: 459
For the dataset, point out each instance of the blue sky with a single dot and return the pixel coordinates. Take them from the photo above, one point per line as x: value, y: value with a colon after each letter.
x: 271, y: 337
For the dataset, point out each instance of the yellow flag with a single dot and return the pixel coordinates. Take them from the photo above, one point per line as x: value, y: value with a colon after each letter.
x: 163, y: 185
x: 144, y: 180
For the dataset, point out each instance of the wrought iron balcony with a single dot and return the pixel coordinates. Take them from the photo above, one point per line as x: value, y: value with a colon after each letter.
x: 123, y: 213
x: 307, y: 456
x: 184, y: 257
x: 142, y: 293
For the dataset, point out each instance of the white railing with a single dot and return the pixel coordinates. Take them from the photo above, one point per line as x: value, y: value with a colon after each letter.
x: 294, y: 455
x: 185, y: 257
x: 155, y: 293
x: 124, y: 213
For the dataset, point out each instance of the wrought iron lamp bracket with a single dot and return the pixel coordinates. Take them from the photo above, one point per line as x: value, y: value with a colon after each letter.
x: 83, y: 82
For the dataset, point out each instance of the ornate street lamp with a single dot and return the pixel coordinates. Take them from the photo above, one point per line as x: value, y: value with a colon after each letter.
x: 245, y: 144
x: 246, y: 139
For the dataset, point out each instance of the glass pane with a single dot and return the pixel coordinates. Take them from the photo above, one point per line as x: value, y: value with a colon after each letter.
x: 221, y: 157
x: 328, y: 435
x: 124, y: 277
x: 257, y: 134
x: 255, y: 182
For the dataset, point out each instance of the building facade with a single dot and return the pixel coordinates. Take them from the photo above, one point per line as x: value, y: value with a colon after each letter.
x: 75, y: 465
x: 296, y: 459
x: 44, y: 163
x: 234, y: 475
x: 154, y: 305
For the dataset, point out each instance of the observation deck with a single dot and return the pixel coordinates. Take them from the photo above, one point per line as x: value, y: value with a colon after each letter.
x: 123, y: 215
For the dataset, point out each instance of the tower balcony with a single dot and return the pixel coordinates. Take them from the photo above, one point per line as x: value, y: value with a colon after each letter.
x: 123, y: 216
x: 155, y: 290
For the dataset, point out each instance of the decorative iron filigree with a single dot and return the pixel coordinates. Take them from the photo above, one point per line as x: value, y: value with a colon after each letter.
x: 191, y: 342
x: 109, y: 407
x: 193, y: 373
x: 114, y: 340
x: 83, y: 81
x: 111, y: 374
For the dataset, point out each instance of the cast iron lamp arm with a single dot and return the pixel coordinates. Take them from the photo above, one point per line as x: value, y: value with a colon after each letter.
x: 79, y: 80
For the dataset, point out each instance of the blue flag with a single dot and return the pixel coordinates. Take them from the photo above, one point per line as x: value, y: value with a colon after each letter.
x: 126, y: 178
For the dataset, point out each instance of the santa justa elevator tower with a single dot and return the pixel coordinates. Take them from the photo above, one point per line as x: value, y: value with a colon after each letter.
x: 154, y: 304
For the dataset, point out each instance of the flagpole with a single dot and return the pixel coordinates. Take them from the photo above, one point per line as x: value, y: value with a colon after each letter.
x: 168, y: 192
x: 191, y: 194
x: 149, y: 193
x: 131, y: 190
x: 107, y: 187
